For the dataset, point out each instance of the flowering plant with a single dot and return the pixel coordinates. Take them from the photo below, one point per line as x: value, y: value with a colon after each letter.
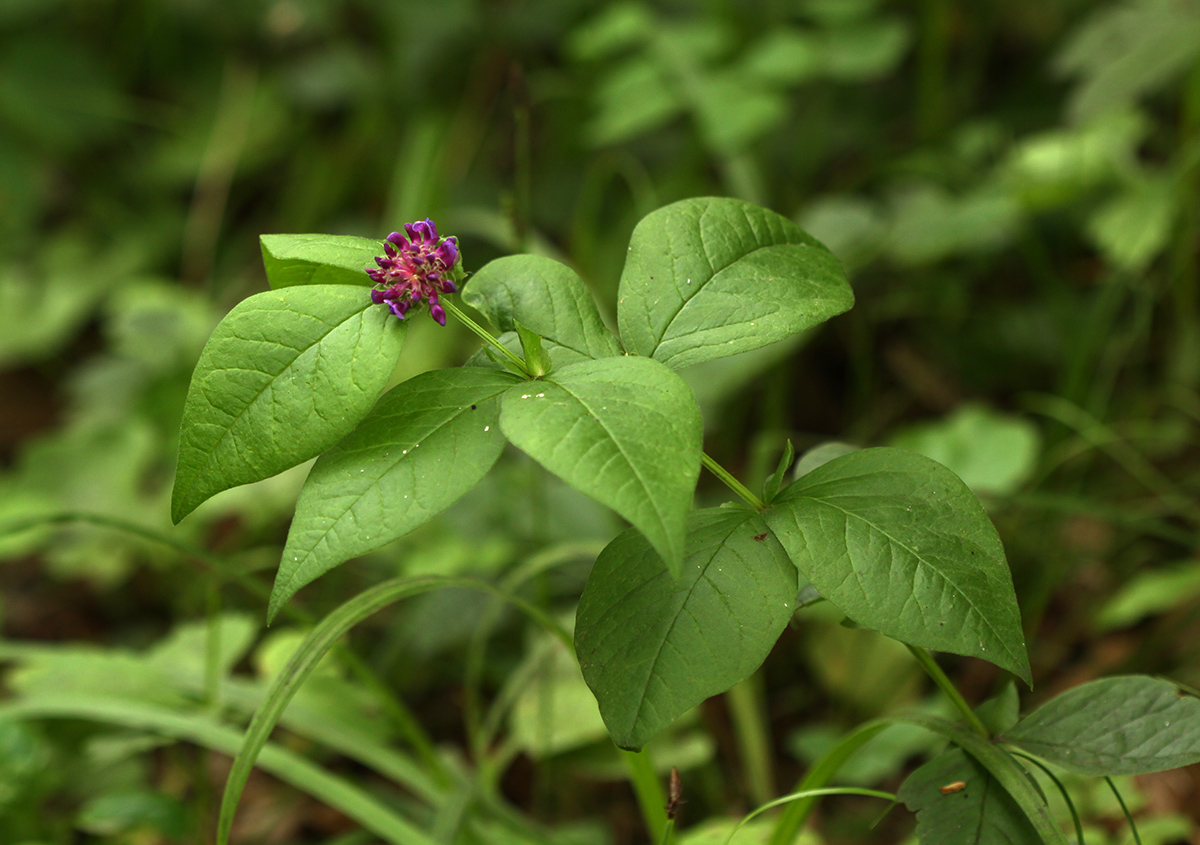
x: 686, y: 603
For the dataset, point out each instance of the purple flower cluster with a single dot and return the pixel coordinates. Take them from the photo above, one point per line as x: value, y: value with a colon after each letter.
x: 419, y: 266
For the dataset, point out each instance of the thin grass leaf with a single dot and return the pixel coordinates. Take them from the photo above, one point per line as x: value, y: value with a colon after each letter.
x: 314, y: 647
x: 289, y: 767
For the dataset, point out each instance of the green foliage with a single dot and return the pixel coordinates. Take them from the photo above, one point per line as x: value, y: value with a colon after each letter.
x: 285, y: 376
x: 318, y: 259
x: 625, y: 431
x: 1114, y: 726
x: 978, y: 813
x: 653, y: 646
x: 550, y: 298
x: 866, y: 522
x: 1021, y: 237
x: 425, y: 444
x: 707, y: 278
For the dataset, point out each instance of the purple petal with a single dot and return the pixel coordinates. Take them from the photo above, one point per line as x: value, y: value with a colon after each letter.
x: 377, y: 296
x: 438, y: 314
x: 397, y: 308
x: 397, y: 238
x: 389, y: 249
x: 447, y: 252
x: 449, y: 286
x: 427, y: 230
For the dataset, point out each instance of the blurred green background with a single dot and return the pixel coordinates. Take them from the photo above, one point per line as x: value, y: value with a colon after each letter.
x: 1013, y: 185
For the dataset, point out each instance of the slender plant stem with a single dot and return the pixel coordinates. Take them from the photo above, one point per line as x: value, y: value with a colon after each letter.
x: 1137, y: 838
x: 925, y: 659
x: 668, y: 837
x: 749, y: 723
x: 649, y: 791
x: 1066, y: 796
x: 486, y: 336
x: 731, y: 482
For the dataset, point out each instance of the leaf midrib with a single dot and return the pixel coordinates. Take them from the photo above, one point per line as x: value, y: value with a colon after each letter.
x: 645, y: 687
x: 621, y: 451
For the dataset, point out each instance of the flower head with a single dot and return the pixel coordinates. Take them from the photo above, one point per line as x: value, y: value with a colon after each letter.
x: 418, y: 265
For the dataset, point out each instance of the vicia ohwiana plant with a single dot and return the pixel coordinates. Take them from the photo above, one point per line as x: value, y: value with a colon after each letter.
x: 686, y: 603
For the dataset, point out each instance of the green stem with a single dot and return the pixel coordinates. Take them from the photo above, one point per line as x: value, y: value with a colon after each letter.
x: 819, y: 776
x: 1124, y: 809
x: 809, y: 793
x: 749, y: 723
x: 486, y: 336
x: 649, y: 791
x: 939, y: 677
x: 668, y: 837
x: 731, y: 482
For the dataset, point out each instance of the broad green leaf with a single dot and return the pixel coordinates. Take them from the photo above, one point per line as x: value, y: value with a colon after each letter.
x: 652, y: 646
x: 427, y: 442
x: 318, y: 259
x: 1127, y: 725
x: 899, y: 544
x: 285, y: 375
x: 981, y: 813
x: 710, y: 277
x: 546, y: 297
x: 1005, y: 769
x: 626, y: 431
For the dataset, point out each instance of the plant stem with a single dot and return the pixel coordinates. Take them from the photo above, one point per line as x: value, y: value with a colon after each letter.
x: 939, y: 677
x: 731, y: 482
x: 749, y: 723
x: 649, y: 791
x: 486, y: 336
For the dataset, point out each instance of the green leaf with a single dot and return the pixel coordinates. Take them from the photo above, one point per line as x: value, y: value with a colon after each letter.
x: 343, y: 795
x: 318, y: 259
x: 626, y: 431
x: 547, y: 297
x: 981, y: 813
x: 652, y: 646
x: 426, y: 443
x: 992, y: 452
x: 1005, y: 769
x: 133, y: 810
x: 1127, y: 725
x: 252, y: 749
x: 285, y: 375
x: 1003, y: 711
x: 711, y: 277
x: 771, y: 485
x: 536, y: 358
x: 899, y: 544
